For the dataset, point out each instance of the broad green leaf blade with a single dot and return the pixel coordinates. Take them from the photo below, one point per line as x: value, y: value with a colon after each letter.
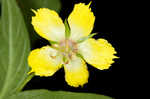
x: 14, y: 48
x: 36, y: 4
x: 45, y: 94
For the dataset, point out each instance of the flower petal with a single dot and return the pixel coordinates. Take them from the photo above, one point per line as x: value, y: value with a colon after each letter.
x: 48, y: 24
x: 81, y: 21
x: 76, y: 72
x: 44, y: 61
x: 98, y: 53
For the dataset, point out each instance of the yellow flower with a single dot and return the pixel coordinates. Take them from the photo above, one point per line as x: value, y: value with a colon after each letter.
x: 67, y: 51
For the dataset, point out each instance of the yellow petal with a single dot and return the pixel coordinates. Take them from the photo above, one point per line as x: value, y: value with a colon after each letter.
x: 98, y: 53
x: 81, y: 21
x: 44, y: 61
x: 48, y: 24
x: 76, y: 73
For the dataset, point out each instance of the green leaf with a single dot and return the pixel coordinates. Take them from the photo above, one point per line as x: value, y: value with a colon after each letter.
x: 36, y: 4
x: 14, y: 49
x: 67, y: 29
x: 85, y: 38
x: 45, y: 94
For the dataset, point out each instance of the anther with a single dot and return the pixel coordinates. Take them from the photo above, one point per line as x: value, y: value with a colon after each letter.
x: 53, y: 57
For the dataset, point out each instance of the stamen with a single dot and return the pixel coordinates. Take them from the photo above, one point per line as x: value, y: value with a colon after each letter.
x: 68, y: 48
x: 53, y: 57
x: 66, y: 62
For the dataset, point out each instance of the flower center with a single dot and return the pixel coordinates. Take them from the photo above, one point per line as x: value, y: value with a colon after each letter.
x: 68, y: 48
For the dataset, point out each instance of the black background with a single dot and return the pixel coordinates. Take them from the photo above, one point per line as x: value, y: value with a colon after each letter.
x: 100, y: 82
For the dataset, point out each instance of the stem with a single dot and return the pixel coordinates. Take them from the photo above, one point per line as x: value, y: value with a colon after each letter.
x: 29, y: 77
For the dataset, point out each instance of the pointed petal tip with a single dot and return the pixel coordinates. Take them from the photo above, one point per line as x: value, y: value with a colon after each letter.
x: 89, y: 4
x: 34, y: 11
x: 31, y: 71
